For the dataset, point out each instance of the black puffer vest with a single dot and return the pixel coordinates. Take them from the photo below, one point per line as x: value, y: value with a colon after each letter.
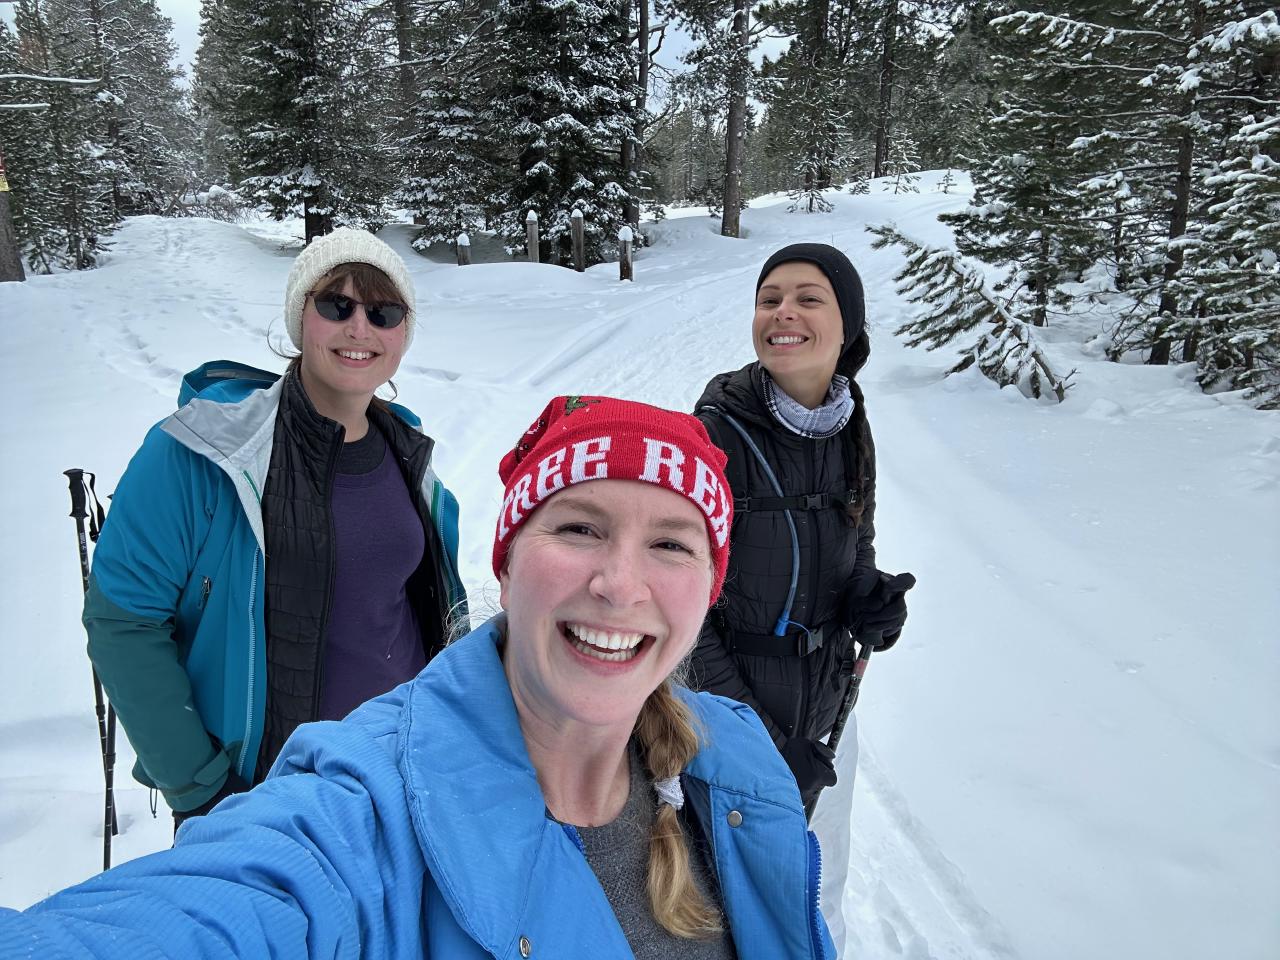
x: 298, y: 528
x: 794, y: 682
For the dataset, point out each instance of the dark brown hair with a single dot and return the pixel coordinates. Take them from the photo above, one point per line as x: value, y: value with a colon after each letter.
x: 850, y: 363
x: 371, y: 285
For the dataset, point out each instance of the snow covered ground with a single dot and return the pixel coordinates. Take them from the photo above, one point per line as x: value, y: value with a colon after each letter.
x: 1074, y: 752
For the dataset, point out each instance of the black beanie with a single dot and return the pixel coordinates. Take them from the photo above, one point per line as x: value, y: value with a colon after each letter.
x: 839, y: 271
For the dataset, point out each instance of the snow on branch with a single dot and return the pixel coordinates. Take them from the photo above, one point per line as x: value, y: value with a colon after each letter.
x: 74, y: 81
x: 953, y: 302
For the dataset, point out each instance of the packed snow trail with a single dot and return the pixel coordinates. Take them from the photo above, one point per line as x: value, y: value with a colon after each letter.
x: 1072, y: 753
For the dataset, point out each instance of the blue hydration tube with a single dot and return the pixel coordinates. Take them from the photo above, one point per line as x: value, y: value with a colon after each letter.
x: 784, y: 621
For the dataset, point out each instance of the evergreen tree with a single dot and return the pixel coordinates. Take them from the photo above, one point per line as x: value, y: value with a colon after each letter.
x: 1233, y: 259
x: 725, y: 37
x: 954, y: 302
x: 1028, y: 214
x: 807, y: 95
x: 904, y: 164
x: 563, y: 101
x: 1163, y: 79
x: 146, y: 120
x: 303, y: 99
x: 59, y: 172
x: 211, y: 90
x: 686, y: 147
x: 450, y: 156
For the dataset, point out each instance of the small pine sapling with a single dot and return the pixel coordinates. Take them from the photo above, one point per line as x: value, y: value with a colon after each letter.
x: 953, y: 301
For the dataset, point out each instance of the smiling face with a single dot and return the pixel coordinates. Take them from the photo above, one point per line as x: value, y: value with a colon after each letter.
x: 605, y: 589
x: 345, y: 361
x: 798, y: 332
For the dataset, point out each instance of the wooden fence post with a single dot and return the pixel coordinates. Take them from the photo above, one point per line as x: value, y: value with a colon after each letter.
x: 531, y: 235
x: 10, y: 255
x: 579, y: 241
x: 464, y: 250
x: 626, y: 269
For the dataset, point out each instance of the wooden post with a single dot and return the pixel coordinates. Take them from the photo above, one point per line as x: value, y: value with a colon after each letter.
x: 626, y: 269
x: 464, y: 250
x: 579, y: 241
x: 531, y: 235
x: 10, y: 257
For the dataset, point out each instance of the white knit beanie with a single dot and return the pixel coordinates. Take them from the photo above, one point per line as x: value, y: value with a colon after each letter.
x: 344, y: 245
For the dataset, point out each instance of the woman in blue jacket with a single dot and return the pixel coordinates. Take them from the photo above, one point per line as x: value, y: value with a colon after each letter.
x: 266, y: 532
x: 542, y: 789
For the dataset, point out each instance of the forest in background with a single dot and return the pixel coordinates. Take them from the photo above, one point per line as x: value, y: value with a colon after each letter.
x: 1128, y: 144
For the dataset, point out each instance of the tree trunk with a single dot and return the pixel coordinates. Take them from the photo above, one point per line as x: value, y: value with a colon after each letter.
x: 889, y: 37
x: 113, y: 120
x: 404, y: 52
x: 1160, y: 348
x: 313, y: 223
x: 735, y: 127
x: 642, y: 105
x: 10, y: 257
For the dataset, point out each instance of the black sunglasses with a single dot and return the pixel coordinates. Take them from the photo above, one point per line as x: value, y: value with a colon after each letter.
x: 336, y: 307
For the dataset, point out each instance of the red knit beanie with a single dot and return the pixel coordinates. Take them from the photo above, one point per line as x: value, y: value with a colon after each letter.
x: 576, y: 439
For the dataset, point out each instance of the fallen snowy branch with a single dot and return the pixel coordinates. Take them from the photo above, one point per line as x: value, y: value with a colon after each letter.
x: 955, y: 302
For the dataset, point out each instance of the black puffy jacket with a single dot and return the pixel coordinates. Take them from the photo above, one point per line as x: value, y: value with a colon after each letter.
x: 298, y: 526
x: 795, y: 694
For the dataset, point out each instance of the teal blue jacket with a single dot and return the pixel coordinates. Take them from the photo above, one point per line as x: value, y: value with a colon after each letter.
x: 416, y: 829
x: 175, y: 611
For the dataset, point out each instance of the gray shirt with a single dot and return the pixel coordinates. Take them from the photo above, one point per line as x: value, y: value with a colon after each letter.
x: 618, y: 853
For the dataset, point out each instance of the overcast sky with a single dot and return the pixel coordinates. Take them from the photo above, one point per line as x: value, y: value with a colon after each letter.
x: 185, y: 15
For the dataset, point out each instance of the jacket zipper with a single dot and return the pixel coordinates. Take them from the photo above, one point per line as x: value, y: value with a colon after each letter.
x: 206, y: 586
x: 435, y: 549
x: 253, y: 649
x: 815, y: 895
x: 815, y: 552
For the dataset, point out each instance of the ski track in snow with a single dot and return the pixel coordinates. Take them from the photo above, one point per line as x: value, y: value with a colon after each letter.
x: 966, y: 844
x: 904, y: 897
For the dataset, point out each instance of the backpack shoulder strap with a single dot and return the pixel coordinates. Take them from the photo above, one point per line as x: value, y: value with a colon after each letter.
x: 730, y: 441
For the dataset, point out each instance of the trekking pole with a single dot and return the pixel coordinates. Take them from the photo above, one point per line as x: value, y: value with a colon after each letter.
x: 80, y: 496
x: 868, y: 643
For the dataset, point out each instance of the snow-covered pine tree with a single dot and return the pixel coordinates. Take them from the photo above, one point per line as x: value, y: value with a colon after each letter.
x: 1233, y: 259
x: 904, y: 163
x: 953, y: 302
x: 1231, y: 275
x: 686, y: 144
x: 305, y: 103
x: 949, y: 85
x: 563, y: 98
x: 211, y: 89
x: 59, y: 174
x: 808, y: 95
x: 1167, y: 72
x: 146, y: 120
x: 450, y: 158
x: 1027, y: 215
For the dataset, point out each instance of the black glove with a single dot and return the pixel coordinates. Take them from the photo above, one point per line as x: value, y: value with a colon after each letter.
x: 233, y: 784
x: 880, y: 613
x: 812, y: 763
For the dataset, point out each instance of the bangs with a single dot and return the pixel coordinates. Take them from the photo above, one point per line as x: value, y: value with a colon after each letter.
x: 371, y: 284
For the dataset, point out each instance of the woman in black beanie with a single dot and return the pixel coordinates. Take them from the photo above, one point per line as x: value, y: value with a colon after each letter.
x: 802, y: 580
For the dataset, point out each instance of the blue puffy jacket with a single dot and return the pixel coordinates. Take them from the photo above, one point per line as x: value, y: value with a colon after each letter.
x: 416, y: 828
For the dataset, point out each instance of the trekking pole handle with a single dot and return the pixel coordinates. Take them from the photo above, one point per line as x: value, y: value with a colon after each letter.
x: 851, y: 695
x: 79, y: 502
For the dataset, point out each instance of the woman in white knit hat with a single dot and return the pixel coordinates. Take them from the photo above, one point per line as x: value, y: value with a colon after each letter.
x: 279, y: 550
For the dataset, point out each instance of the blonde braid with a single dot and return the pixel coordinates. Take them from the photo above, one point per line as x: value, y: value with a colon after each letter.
x: 668, y: 741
